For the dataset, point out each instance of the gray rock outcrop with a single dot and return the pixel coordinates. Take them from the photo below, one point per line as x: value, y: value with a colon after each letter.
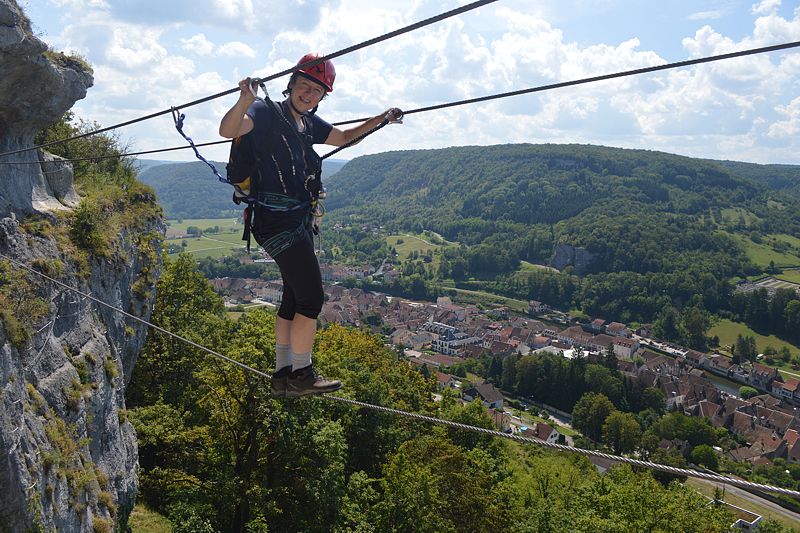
x: 68, y: 455
x: 36, y: 88
x: 566, y: 255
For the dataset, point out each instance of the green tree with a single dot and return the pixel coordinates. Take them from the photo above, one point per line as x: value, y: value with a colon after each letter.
x: 626, y: 501
x: 359, y: 505
x: 747, y: 392
x: 610, y: 358
x: 792, y: 318
x: 621, y: 432
x: 667, y: 325
x: 590, y: 414
x: 653, y: 398
x: 745, y: 347
x: 695, y: 322
x: 694, y: 430
x: 186, y: 305
x: 605, y: 381
x: 706, y: 456
x: 648, y: 444
x: 669, y: 457
x: 432, y: 485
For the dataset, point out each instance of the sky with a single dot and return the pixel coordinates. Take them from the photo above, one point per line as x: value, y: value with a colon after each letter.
x: 150, y: 55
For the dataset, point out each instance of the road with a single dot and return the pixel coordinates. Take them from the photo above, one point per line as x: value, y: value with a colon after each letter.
x: 767, y: 509
x: 774, y: 507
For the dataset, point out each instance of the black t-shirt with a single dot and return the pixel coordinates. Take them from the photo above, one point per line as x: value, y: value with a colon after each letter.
x: 284, y: 163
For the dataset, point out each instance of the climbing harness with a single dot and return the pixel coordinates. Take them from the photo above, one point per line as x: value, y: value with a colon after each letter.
x: 242, y: 171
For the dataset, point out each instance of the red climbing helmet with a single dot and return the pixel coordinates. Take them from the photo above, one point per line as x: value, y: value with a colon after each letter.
x: 322, y: 73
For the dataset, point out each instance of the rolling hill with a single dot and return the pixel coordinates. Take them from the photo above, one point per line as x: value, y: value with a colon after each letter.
x: 191, y: 190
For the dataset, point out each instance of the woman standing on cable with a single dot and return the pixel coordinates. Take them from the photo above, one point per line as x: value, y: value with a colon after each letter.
x: 282, y: 135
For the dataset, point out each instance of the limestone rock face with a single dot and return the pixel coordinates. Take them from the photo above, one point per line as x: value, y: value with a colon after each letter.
x: 36, y: 88
x: 565, y: 255
x: 68, y: 455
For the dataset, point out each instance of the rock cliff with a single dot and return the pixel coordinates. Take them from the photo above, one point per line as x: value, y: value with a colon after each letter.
x: 68, y: 455
x: 36, y: 88
x: 566, y: 255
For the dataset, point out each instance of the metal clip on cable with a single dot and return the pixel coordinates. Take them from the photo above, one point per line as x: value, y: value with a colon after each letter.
x: 255, y: 83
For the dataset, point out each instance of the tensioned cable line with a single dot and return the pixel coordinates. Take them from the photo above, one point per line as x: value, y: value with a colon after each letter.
x: 226, y: 141
x: 603, y: 77
x: 519, y: 92
x: 101, y: 157
x: 349, y: 49
x: 134, y: 317
x: 457, y: 425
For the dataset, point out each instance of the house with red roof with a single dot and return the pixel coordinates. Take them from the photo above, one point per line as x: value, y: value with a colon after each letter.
x: 789, y: 390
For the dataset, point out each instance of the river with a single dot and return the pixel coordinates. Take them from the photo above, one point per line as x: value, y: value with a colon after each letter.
x: 724, y: 384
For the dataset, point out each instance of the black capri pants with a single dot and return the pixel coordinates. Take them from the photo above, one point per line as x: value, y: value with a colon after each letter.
x: 302, y: 281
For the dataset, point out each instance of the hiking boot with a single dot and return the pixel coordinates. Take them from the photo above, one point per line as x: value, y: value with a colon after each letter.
x: 279, y: 379
x: 305, y: 381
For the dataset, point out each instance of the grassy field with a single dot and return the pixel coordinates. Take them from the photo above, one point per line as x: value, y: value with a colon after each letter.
x: 707, y: 488
x: 214, y: 245
x: 225, y: 224
x: 486, y: 298
x: 762, y: 254
x: 727, y: 330
x: 525, y: 266
x: 788, y: 239
x: 412, y: 243
x: 409, y: 245
x: 143, y: 520
x: 792, y: 276
x: 732, y: 215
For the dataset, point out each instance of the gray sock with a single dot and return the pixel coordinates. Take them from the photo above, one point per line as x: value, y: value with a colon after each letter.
x: 300, y: 360
x: 282, y: 357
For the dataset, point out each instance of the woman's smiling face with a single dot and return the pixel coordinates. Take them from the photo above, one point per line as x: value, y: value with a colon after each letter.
x: 306, y: 94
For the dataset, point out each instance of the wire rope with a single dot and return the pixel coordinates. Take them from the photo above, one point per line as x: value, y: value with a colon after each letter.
x: 594, y: 79
x: 349, y: 49
x: 433, y: 420
x: 540, y: 88
x: 102, y: 157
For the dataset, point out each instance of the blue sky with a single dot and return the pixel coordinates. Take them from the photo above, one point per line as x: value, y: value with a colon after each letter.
x: 149, y: 55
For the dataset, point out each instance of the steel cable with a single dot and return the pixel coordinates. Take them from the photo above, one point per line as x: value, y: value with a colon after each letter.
x: 519, y: 92
x: 433, y: 420
x: 349, y: 49
x: 594, y: 79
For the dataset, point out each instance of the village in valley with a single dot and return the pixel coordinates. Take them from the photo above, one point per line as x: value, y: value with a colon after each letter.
x: 439, y: 335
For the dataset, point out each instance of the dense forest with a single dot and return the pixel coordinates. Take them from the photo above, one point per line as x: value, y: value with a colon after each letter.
x: 634, y: 210
x: 218, y: 454
x: 778, y: 177
x: 191, y: 190
x: 664, y: 233
x: 664, y: 237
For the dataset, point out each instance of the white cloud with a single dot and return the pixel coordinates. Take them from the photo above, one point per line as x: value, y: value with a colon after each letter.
x: 151, y: 54
x: 706, y: 15
x: 235, y: 49
x: 199, y: 44
x: 133, y: 50
x: 765, y: 7
x: 100, y: 4
x: 791, y: 125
